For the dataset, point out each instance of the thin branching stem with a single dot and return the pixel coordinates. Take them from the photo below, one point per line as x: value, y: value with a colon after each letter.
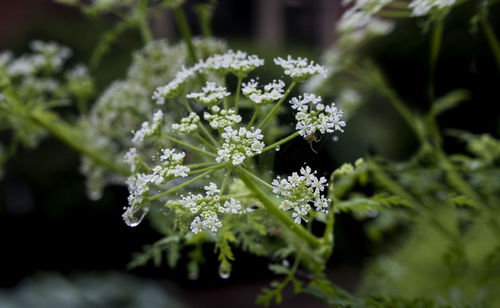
x: 183, y: 25
x: 280, y: 142
x: 189, y: 146
x: 273, y: 111
x: 179, y: 187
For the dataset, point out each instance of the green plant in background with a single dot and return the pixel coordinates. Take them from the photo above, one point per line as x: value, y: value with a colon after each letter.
x: 205, y: 128
x: 447, y: 203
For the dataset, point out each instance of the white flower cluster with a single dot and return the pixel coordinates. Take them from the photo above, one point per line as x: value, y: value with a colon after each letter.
x: 207, y: 206
x: 139, y: 183
x: 240, y: 145
x: 300, y: 68
x: 272, y: 91
x: 221, y: 118
x: 47, y: 55
x: 360, y: 14
x: 174, y: 87
x: 148, y: 130
x: 188, y: 124
x: 239, y: 63
x: 300, y: 190
x: 5, y: 57
x: 422, y: 7
x: 320, y: 118
x: 211, y: 94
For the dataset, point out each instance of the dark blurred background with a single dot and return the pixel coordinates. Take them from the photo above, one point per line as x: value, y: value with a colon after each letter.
x: 48, y: 226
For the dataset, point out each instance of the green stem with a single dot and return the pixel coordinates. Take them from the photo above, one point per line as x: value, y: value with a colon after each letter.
x: 328, y: 236
x: 202, y: 127
x: 286, y: 221
x: 394, y: 14
x: 398, y: 104
x: 254, y: 116
x: 215, y: 166
x: 179, y: 187
x: 436, y: 38
x: 275, y: 108
x: 280, y: 142
x: 237, y: 98
x: 392, y: 186
x: 226, y: 104
x: 205, y: 141
x: 197, y: 165
x: 224, y: 182
x: 492, y: 39
x: 70, y: 137
x: 204, y: 12
x: 261, y: 181
x: 142, y: 21
x: 189, y: 146
x: 181, y: 20
x: 239, y: 196
x: 456, y: 180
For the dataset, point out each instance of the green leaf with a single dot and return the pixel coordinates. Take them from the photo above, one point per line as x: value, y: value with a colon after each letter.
x: 449, y: 101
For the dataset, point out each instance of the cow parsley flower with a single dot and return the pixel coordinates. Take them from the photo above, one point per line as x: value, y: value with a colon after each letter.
x: 240, y: 145
x: 211, y: 94
x: 299, y: 191
x: 422, y: 7
x: 221, y: 118
x: 239, y: 63
x: 174, y: 87
x: 312, y: 116
x: 139, y: 184
x: 206, y: 207
x: 300, y: 68
x: 272, y: 91
x: 5, y: 57
x: 148, y: 130
x: 188, y: 124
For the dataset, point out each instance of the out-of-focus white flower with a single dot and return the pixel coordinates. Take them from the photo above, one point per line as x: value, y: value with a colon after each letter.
x: 211, y: 94
x: 147, y: 129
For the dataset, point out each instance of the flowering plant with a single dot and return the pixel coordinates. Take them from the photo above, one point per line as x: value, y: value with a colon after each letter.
x: 205, y: 123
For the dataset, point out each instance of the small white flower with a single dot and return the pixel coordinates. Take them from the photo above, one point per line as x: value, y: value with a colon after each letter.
x: 299, y: 191
x: 238, y: 63
x: 222, y: 118
x: 300, y: 68
x: 311, y: 119
x: 174, y: 87
x: 148, y: 130
x: 272, y: 91
x: 211, y: 189
x: 240, y: 145
x: 233, y: 206
x: 211, y: 94
x: 188, y: 124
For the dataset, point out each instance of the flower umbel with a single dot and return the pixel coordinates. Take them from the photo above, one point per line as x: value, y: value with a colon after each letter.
x: 312, y: 116
x: 240, y: 145
x: 300, y: 68
x: 299, y: 191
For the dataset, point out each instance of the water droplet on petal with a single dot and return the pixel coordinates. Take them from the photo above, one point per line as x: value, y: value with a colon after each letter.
x: 134, y: 215
x: 224, y: 272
